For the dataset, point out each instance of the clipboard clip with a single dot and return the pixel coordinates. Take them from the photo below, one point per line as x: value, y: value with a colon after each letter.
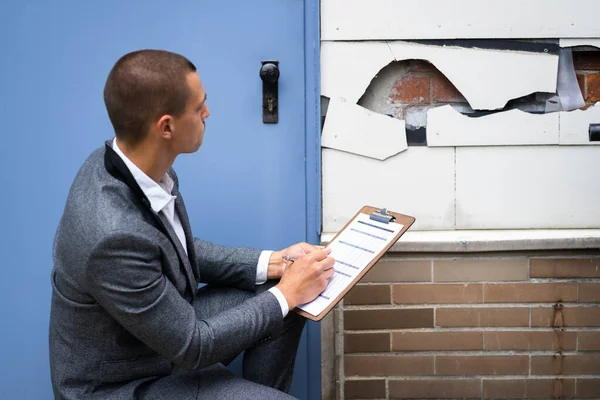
x: 382, y: 216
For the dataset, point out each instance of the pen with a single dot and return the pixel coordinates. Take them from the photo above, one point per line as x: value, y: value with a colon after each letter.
x: 288, y: 258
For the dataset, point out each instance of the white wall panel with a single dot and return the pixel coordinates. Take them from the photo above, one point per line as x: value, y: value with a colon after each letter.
x: 448, y: 127
x: 352, y: 128
x: 417, y: 182
x: 452, y: 19
x: 527, y: 187
x: 347, y: 69
x: 575, y: 125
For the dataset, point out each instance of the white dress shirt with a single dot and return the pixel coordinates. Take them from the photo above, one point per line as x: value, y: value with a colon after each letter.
x: 161, y: 200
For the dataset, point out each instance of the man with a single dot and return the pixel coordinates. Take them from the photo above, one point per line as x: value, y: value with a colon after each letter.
x: 127, y: 319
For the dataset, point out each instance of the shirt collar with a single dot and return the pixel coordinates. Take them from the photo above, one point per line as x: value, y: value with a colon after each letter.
x: 159, y: 195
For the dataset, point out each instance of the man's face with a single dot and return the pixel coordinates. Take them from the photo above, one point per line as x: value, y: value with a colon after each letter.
x: 189, y: 127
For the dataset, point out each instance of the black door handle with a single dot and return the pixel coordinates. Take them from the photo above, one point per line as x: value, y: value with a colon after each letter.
x: 269, y: 73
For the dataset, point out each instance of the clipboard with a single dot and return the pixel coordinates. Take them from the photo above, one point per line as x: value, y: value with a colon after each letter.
x: 375, y: 214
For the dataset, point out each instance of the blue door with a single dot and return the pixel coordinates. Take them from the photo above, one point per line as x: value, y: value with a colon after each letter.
x: 251, y: 183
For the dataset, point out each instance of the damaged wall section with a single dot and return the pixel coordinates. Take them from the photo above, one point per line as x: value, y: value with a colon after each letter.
x: 487, y: 79
x: 352, y: 128
x: 442, y: 191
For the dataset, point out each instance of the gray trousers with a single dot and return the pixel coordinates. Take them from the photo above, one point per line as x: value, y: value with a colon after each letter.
x: 267, y: 366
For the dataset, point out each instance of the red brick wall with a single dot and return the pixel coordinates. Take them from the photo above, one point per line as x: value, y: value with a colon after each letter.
x: 422, y: 85
x: 489, y: 326
x: 587, y: 65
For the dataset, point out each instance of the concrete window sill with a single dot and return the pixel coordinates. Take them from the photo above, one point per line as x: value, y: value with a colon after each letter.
x: 492, y: 240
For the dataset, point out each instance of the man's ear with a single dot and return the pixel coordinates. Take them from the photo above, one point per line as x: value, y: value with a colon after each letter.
x: 165, y: 126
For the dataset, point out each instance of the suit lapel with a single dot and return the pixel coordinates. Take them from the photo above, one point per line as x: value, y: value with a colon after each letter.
x: 180, y: 251
x: 185, y: 223
x: 117, y: 168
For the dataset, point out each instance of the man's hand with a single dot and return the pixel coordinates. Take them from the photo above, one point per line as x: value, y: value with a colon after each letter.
x: 277, y: 264
x: 306, y: 278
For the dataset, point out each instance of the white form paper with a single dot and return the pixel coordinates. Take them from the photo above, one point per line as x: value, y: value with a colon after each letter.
x: 354, y: 248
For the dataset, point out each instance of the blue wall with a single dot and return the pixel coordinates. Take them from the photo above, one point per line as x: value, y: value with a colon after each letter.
x: 50, y: 100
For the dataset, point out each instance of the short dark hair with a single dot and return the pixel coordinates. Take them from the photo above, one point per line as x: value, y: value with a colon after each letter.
x: 143, y: 85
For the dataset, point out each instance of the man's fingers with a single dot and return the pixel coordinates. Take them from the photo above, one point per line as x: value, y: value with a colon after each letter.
x: 328, y: 273
x: 319, y: 255
x: 309, y: 248
x: 327, y: 263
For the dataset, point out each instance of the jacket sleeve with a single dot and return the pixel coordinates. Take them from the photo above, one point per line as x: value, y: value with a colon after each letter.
x: 226, y: 266
x: 124, y: 275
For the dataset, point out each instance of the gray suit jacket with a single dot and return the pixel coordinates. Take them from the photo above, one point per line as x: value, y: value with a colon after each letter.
x: 123, y: 287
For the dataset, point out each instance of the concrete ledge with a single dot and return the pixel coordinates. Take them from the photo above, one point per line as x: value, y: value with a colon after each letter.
x: 492, y: 240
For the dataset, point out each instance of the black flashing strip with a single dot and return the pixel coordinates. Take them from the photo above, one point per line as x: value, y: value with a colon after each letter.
x: 483, y: 113
x: 496, y: 44
x: 416, y: 136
